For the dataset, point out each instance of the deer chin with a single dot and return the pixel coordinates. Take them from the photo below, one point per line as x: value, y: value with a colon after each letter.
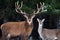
x: 29, y: 22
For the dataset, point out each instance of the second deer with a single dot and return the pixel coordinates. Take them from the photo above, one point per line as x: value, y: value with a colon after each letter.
x: 47, y: 34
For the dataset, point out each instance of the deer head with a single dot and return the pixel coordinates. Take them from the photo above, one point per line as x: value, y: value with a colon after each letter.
x: 29, y: 17
x: 40, y: 22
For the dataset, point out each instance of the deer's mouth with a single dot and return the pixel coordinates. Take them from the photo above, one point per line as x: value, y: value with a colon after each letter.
x: 29, y: 21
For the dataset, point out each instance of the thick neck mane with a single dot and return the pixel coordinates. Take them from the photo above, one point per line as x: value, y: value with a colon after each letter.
x: 28, y: 28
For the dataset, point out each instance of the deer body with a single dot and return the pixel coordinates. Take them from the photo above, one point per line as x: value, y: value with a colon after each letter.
x: 47, y: 34
x: 16, y: 28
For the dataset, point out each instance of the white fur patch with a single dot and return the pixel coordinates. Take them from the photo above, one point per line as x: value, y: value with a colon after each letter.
x: 55, y: 38
x: 8, y: 36
x: 29, y: 22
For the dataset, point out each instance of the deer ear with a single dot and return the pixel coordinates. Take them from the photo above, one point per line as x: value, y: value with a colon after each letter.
x: 43, y: 20
x: 38, y: 20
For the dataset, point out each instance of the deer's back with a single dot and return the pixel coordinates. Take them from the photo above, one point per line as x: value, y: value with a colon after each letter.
x: 13, y: 27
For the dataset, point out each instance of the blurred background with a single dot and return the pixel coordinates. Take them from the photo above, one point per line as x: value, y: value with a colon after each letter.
x: 52, y: 15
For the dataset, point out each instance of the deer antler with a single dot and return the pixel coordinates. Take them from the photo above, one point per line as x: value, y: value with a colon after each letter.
x: 18, y: 7
x: 39, y: 9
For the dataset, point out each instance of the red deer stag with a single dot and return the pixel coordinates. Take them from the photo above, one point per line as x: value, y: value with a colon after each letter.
x: 47, y: 34
x: 12, y: 29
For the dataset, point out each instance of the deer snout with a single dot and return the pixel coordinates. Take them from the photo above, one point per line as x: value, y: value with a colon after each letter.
x: 29, y: 21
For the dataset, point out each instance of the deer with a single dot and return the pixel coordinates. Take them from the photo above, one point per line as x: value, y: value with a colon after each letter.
x: 24, y: 28
x: 47, y: 34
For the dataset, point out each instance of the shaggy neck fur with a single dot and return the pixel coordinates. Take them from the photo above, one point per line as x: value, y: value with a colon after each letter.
x: 28, y: 28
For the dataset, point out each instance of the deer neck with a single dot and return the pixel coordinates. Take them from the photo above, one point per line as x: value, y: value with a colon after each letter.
x: 40, y: 29
x: 28, y: 28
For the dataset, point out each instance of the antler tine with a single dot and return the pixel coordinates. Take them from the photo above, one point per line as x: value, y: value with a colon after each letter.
x: 40, y: 9
x: 18, y: 7
x: 21, y: 4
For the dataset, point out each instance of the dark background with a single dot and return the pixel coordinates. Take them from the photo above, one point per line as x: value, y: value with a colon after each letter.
x: 52, y: 15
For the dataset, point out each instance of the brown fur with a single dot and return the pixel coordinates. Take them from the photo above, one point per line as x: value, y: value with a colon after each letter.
x: 16, y: 29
